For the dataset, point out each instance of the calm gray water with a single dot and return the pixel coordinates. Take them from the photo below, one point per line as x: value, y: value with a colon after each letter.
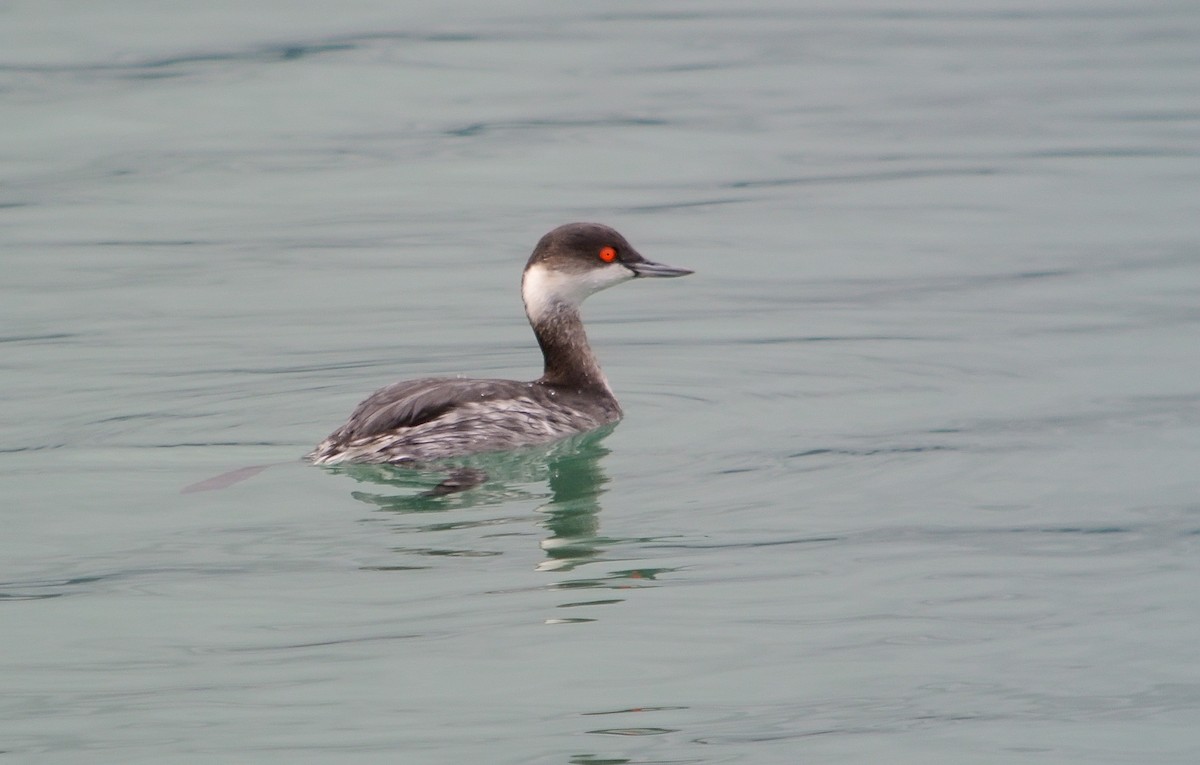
x: 909, y: 469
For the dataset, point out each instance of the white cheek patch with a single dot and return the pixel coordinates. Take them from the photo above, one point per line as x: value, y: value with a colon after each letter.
x: 542, y: 288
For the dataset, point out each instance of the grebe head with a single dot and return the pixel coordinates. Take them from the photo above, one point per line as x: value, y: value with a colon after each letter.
x: 577, y: 259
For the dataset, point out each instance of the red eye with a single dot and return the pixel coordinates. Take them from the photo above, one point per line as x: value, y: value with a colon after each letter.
x: 608, y: 254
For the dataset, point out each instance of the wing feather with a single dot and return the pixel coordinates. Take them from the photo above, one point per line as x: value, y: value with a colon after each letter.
x: 414, y: 402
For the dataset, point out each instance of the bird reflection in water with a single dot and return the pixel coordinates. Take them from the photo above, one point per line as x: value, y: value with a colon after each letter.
x: 571, y: 468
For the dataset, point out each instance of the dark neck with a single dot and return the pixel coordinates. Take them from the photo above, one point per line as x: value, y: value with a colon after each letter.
x: 569, y: 360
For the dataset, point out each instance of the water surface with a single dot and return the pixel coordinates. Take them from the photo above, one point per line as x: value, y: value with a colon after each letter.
x: 908, y: 470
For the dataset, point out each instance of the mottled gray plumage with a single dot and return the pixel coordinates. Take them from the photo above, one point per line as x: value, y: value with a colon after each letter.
x: 439, y: 417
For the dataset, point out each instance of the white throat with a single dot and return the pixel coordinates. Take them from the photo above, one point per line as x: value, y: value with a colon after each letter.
x: 543, y: 289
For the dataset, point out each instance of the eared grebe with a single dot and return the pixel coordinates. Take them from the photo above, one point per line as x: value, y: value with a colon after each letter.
x: 438, y: 417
